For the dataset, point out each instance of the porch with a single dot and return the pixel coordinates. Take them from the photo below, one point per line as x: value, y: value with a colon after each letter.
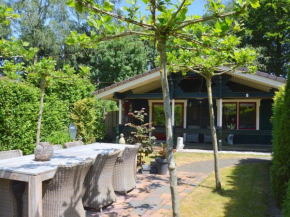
x: 243, y: 140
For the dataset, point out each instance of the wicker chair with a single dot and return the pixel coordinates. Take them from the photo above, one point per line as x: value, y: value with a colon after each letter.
x: 62, y: 195
x: 57, y: 147
x: 10, y: 191
x: 99, y: 190
x: 73, y: 144
x: 124, y: 175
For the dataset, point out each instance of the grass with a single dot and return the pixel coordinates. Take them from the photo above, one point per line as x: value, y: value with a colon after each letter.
x: 245, y: 193
x: 187, y: 158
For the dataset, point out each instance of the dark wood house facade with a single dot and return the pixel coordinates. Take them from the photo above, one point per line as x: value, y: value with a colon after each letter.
x: 242, y: 106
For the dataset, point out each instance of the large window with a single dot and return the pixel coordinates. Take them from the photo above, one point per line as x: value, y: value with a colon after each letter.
x: 247, y: 115
x: 239, y: 115
x: 230, y: 115
x: 159, y: 117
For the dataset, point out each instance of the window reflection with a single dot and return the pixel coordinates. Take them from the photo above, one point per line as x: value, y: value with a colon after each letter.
x: 247, y: 115
x: 229, y: 115
x: 159, y: 117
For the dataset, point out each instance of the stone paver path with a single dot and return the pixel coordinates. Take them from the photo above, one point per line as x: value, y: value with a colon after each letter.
x: 152, y: 195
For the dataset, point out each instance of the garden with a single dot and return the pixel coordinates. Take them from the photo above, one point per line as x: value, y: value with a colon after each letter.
x: 55, y: 54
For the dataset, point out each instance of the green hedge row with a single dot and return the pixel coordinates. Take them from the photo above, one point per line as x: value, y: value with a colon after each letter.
x: 280, y: 170
x: 286, y: 203
x: 19, y: 107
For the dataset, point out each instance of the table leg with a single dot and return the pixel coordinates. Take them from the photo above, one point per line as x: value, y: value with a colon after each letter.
x: 35, y: 196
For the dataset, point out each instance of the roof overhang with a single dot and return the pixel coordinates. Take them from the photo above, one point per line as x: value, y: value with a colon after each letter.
x: 150, y: 80
x: 139, y: 83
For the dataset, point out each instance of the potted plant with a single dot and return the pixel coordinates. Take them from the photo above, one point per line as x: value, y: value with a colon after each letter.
x: 141, y: 135
x: 161, y: 161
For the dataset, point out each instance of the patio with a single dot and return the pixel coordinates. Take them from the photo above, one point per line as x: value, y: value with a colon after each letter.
x: 152, y: 195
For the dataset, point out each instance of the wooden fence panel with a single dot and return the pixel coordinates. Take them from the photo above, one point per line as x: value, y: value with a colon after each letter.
x: 111, y: 121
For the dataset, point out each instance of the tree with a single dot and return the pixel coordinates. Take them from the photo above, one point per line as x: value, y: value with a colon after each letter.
x: 44, y: 71
x: 268, y: 28
x: 166, y: 21
x: 46, y: 23
x: 208, y: 61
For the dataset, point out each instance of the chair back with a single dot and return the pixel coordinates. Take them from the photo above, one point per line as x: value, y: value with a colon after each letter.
x: 99, y: 190
x: 129, y: 156
x: 57, y: 147
x: 73, y: 144
x: 10, y: 154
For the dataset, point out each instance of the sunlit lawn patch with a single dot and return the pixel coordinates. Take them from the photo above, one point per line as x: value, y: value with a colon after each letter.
x: 245, y: 194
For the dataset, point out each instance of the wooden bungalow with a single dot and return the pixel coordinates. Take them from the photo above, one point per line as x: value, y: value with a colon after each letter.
x: 242, y: 106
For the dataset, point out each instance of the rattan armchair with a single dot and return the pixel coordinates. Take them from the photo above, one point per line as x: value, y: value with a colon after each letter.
x: 10, y: 191
x: 124, y: 175
x: 62, y: 195
x: 99, y: 191
x: 73, y: 144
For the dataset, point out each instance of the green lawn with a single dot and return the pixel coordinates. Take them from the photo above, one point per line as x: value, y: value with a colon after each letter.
x: 245, y: 194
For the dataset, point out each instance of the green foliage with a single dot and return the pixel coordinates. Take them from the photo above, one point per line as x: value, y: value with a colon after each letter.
x: 280, y: 170
x: 19, y: 105
x: 268, y: 28
x: 141, y: 135
x: 286, y: 203
x: 83, y: 115
x: 56, y: 116
x: 59, y: 137
x: 6, y: 14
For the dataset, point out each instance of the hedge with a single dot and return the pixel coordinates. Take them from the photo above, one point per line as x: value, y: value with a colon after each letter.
x: 64, y: 103
x: 280, y: 170
x: 19, y: 105
x: 286, y: 203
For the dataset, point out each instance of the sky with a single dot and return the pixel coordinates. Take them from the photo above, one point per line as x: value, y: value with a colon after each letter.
x: 196, y: 8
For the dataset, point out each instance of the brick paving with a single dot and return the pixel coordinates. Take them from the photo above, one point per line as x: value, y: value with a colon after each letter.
x: 151, y: 197
x: 152, y: 194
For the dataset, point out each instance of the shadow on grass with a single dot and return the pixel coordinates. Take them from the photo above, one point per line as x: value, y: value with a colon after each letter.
x: 247, y: 186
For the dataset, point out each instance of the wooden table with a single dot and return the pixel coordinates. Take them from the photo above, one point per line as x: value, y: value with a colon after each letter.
x: 34, y: 172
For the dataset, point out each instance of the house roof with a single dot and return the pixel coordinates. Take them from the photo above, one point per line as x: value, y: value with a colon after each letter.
x: 151, y: 80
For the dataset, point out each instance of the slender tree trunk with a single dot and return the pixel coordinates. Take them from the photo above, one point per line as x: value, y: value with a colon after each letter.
x: 214, y: 137
x: 169, y: 135
x: 42, y: 86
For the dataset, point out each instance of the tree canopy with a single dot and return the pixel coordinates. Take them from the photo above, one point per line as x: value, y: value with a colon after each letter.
x: 269, y: 28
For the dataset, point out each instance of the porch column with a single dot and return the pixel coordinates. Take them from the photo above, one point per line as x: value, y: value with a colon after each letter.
x: 172, y: 111
x: 219, y: 103
x: 120, y: 112
x: 258, y: 115
x: 150, y: 115
x: 184, y: 119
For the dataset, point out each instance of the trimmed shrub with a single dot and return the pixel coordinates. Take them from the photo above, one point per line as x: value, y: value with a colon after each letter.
x: 84, y: 117
x: 71, y: 91
x: 56, y: 116
x: 286, y: 203
x: 280, y: 170
x: 59, y: 137
x: 19, y: 105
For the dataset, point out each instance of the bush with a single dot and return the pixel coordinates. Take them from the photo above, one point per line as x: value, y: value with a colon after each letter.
x: 19, y: 108
x: 59, y: 137
x: 19, y: 105
x: 84, y: 117
x: 280, y: 170
x: 286, y: 203
x: 56, y: 116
